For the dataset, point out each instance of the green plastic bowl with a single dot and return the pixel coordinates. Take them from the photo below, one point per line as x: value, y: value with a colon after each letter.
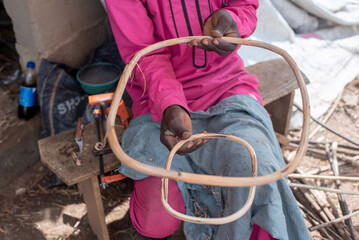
x: 98, y: 77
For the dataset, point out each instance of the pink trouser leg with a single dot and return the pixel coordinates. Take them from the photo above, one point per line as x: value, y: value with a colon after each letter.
x: 148, y: 215
x: 150, y: 218
x: 259, y: 233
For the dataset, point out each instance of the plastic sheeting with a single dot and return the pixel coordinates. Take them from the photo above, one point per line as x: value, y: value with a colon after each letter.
x: 345, y: 12
x: 329, y: 56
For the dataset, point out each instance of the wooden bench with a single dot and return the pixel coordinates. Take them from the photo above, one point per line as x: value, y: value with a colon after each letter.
x: 277, y: 85
x: 55, y: 153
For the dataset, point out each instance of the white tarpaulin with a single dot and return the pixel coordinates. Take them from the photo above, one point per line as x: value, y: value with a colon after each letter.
x: 345, y: 12
x: 328, y: 54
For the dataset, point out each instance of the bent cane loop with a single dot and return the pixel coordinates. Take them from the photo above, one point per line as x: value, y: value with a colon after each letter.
x: 212, y: 221
x: 200, y: 178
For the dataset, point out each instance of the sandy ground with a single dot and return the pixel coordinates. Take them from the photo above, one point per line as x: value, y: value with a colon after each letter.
x: 30, y: 211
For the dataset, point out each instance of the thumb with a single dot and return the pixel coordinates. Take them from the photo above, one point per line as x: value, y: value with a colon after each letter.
x: 178, y: 121
x: 185, y: 135
x: 179, y: 130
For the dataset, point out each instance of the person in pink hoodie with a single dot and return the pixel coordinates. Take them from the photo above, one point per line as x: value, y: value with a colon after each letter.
x: 172, y: 84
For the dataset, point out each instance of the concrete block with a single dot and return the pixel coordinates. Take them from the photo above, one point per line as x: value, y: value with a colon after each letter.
x: 66, y: 30
x: 74, y: 51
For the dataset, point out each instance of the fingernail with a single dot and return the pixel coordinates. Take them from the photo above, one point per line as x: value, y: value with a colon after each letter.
x: 215, y: 42
x: 205, y: 42
x: 190, y: 145
x: 216, y: 33
x: 186, y: 135
x: 168, y: 133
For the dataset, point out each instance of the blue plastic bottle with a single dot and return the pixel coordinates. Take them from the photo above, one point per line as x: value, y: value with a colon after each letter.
x: 27, y: 102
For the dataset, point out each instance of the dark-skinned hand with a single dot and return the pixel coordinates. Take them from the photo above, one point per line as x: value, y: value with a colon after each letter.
x: 176, y: 125
x: 219, y: 24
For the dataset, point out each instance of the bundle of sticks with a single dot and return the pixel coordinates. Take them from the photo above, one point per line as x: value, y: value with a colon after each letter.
x: 316, y: 201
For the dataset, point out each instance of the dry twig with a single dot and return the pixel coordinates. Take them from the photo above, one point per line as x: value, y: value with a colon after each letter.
x: 323, y: 169
x: 342, y: 201
x: 324, y: 177
x: 328, y: 114
x: 334, y: 221
x: 329, y: 128
x: 325, y: 189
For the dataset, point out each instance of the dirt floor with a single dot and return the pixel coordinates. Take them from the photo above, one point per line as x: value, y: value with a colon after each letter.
x: 28, y: 210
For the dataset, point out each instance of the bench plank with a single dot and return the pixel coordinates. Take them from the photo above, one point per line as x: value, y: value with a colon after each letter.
x: 276, y: 79
x: 55, y: 153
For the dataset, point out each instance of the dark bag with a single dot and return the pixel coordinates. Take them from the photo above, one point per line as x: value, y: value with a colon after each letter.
x: 61, y: 98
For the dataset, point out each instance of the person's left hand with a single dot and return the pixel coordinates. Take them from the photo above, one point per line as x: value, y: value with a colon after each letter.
x: 219, y: 24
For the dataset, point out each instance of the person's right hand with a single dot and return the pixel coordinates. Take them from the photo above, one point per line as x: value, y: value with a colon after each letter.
x: 176, y: 125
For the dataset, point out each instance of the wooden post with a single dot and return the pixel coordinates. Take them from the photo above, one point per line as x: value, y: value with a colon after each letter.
x: 92, y: 196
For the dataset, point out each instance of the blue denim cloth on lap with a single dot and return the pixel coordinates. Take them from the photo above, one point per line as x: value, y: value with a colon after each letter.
x: 274, y: 207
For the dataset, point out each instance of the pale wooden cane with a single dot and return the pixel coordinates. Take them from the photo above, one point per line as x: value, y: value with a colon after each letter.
x: 200, y: 178
x: 212, y: 221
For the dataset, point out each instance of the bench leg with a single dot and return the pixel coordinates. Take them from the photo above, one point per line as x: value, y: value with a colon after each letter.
x: 281, y: 111
x: 95, y: 212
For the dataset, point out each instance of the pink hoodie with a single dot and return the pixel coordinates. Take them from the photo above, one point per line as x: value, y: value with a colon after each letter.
x: 190, y: 77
